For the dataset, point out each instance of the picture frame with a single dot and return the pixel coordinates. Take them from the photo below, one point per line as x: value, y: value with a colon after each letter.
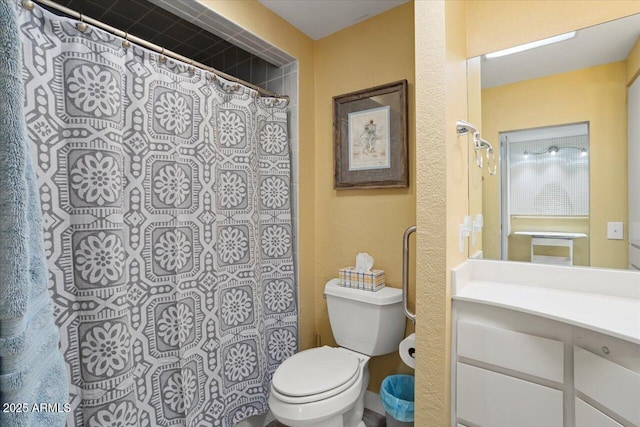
x: 370, y: 132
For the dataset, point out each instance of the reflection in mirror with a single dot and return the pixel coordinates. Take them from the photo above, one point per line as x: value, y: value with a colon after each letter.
x: 474, y: 114
x: 545, y: 195
x: 565, y: 116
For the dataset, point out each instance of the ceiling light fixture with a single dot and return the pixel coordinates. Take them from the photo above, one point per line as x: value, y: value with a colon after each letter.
x: 554, y: 150
x: 532, y: 45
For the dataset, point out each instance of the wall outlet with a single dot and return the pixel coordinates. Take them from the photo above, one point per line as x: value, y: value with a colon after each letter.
x: 615, y: 230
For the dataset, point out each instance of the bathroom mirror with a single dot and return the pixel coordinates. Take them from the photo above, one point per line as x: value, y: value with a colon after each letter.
x: 564, y: 119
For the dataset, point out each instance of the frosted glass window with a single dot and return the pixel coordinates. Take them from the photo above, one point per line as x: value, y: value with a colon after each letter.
x: 549, y: 177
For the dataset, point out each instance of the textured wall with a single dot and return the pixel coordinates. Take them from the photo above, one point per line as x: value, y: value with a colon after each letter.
x: 441, y: 99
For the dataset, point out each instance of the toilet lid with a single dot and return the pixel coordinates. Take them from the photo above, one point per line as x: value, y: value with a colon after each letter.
x: 315, y: 371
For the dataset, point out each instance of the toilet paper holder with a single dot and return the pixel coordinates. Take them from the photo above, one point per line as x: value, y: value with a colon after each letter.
x: 407, y: 350
x: 405, y: 273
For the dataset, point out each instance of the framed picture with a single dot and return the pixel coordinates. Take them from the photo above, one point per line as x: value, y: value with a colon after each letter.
x: 370, y: 138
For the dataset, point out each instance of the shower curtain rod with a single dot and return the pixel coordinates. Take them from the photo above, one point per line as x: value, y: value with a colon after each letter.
x: 29, y: 4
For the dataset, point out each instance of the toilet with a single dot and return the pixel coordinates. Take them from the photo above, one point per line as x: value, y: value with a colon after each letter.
x: 325, y: 386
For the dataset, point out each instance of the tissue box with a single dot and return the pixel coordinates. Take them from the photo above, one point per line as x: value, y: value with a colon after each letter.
x: 370, y: 281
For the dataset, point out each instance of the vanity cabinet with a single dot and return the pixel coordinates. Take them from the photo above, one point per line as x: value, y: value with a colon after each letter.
x: 608, y: 385
x: 505, y: 378
x: 588, y: 416
x: 526, y: 352
x: 488, y: 398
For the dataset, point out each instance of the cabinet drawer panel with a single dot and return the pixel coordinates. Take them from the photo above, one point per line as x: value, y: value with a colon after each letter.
x: 487, y: 398
x: 588, y: 416
x: 611, y: 385
x: 520, y: 352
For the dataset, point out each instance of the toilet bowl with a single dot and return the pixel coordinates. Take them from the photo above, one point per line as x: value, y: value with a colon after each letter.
x: 320, y: 387
x: 325, y: 386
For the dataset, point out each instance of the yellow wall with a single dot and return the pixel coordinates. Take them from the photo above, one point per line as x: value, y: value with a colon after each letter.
x: 259, y: 20
x: 498, y: 24
x: 596, y: 95
x: 442, y: 202
x: 439, y: 191
x: 490, y: 25
x: 336, y: 225
x: 377, y: 51
x: 633, y: 63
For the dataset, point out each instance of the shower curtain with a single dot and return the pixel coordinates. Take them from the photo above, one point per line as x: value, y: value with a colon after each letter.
x: 166, y: 208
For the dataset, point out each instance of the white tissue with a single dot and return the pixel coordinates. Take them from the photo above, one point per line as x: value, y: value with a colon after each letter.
x: 364, y: 262
x: 407, y: 351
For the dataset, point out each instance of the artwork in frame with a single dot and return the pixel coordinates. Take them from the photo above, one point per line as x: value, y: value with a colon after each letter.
x: 370, y: 138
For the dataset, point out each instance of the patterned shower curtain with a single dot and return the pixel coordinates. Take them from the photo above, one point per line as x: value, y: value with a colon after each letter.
x: 166, y: 203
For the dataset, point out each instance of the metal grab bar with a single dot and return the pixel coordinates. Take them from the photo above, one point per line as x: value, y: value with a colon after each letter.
x: 405, y: 273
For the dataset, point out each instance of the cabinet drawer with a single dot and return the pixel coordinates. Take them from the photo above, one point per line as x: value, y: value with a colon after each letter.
x: 588, y: 416
x: 611, y: 385
x: 490, y: 399
x: 529, y: 354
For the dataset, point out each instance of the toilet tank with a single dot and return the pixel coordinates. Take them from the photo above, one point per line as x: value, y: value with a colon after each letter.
x: 370, y: 323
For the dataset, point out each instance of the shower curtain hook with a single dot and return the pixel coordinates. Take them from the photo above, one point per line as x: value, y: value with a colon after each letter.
x: 28, y: 4
x: 162, y: 58
x: 192, y: 69
x: 126, y: 43
x: 82, y: 27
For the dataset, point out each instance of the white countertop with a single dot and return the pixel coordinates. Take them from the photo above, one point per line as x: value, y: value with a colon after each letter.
x: 551, y: 234
x: 605, y: 301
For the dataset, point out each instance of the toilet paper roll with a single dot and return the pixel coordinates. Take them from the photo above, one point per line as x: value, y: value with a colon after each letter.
x: 407, y: 351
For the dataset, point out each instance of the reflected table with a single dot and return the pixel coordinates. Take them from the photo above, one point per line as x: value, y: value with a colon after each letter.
x: 551, y: 238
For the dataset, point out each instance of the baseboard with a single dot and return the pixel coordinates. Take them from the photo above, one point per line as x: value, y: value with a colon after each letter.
x: 373, y: 403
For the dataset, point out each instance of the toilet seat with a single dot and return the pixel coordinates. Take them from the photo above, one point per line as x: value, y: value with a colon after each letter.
x: 315, y: 374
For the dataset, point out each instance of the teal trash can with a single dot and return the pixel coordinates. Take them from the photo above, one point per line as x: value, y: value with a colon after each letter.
x: 397, y: 395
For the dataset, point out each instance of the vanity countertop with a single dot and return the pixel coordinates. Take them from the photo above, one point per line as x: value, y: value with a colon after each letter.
x: 602, y: 300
